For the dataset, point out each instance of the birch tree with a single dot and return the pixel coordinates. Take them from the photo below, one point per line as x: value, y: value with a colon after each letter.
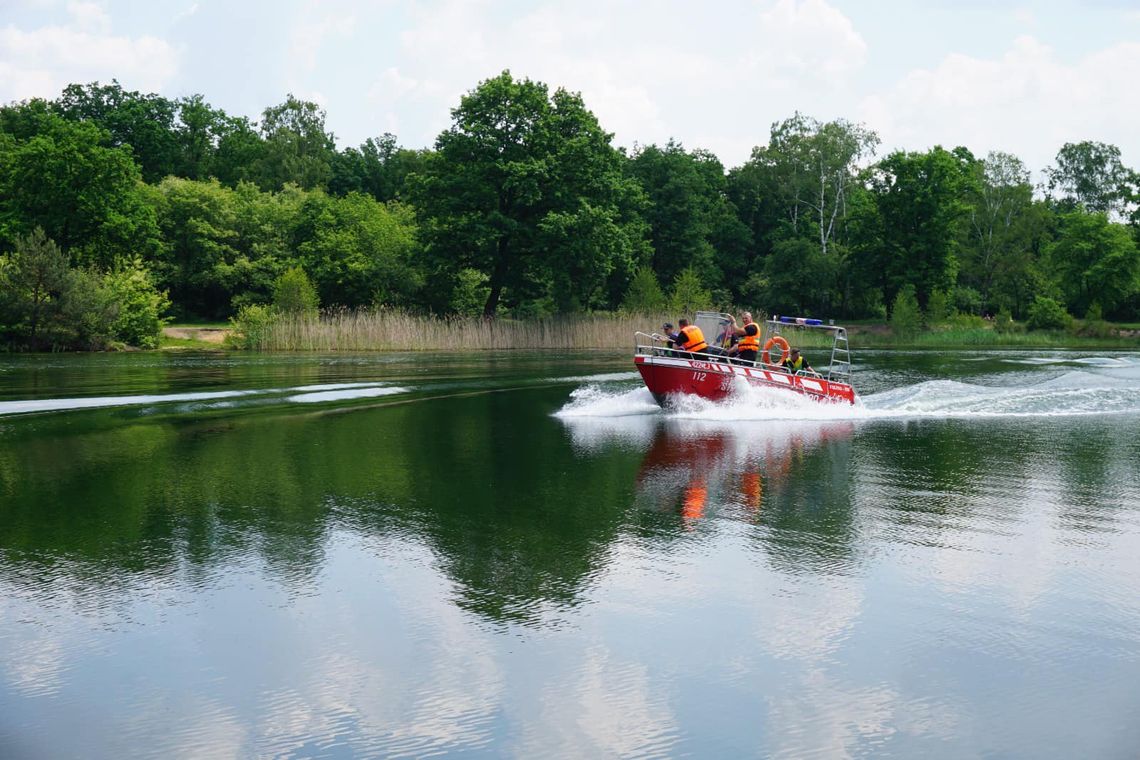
x: 816, y: 164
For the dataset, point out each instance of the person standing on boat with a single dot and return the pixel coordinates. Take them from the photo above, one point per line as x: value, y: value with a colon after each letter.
x: 796, y: 362
x: 748, y: 347
x: 690, y: 338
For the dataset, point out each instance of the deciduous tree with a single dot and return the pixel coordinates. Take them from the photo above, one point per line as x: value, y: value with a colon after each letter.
x: 523, y: 187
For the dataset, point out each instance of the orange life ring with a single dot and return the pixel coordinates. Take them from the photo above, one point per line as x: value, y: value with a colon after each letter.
x: 785, y: 349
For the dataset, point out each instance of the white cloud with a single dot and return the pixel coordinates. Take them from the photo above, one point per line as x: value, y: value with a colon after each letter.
x: 40, y: 62
x: 187, y: 13
x: 808, y: 40
x: 89, y: 17
x: 311, y: 34
x: 1027, y: 101
x: 647, y: 76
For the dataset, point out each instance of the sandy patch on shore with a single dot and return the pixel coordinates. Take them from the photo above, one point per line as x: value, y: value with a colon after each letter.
x: 206, y: 334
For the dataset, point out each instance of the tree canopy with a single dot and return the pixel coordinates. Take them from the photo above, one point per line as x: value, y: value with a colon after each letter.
x: 126, y: 206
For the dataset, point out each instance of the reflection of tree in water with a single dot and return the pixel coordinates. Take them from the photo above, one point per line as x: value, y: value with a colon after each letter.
x: 949, y: 473
x: 790, y: 477
x: 516, y: 519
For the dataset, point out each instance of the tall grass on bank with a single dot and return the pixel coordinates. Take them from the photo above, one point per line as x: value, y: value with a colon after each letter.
x: 399, y: 331
x: 982, y: 337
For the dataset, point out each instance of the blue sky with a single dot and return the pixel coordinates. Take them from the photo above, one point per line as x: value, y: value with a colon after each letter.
x: 1018, y: 77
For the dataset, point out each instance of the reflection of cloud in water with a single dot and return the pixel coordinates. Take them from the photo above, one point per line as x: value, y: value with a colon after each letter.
x: 822, y: 717
x: 450, y: 684
x: 615, y: 711
x: 815, y: 626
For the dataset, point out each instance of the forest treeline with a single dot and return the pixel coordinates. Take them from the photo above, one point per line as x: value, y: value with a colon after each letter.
x: 119, y: 208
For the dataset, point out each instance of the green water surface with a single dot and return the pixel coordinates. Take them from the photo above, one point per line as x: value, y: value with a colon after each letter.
x: 378, y: 555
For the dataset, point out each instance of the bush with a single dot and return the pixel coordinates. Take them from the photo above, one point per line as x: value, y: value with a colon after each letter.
x: 1094, y: 325
x: 141, y: 307
x: 1004, y: 324
x: 470, y: 293
x: 644, y: 294
x: 293, y: 293
x: 937, y: 308
x: 90, y: 310
x: 906, y: 319
x: 48, y: 304
x: 967, y: 300
x: 966, y: 322
x: 251, y: 327
x: 1046, y: 314
x: 689, y: 294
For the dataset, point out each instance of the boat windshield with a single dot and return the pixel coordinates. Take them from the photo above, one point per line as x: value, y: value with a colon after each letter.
x: 714, y: 326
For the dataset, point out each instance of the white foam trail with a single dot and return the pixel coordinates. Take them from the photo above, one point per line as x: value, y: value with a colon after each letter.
x: 331, y: 391
x: 603, y: 377
x: 1109, y: 362
x: 595, y: 401
x: 1072, y: 394
x: 350, y: 393
x: 96, y: 402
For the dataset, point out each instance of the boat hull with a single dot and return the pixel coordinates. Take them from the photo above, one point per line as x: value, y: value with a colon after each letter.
x: 667, y: 376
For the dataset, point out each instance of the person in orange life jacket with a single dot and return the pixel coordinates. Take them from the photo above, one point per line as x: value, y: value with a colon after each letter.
x: 748, y: 346
x: 795, y: 362
x: 690, y: 338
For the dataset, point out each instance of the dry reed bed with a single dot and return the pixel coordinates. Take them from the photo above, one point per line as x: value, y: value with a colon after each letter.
x: 395, y: 331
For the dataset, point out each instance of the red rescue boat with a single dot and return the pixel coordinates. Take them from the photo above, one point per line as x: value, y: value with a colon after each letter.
x: 669, y: 372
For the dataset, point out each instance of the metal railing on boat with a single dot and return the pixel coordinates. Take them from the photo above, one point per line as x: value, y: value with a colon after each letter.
x: 659, y: 347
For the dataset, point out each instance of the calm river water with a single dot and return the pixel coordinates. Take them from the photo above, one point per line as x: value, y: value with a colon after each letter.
x: 218, y: 555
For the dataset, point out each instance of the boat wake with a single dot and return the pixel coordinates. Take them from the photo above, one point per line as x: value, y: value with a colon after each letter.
x: 302, y: 394
x: 1075, y: 393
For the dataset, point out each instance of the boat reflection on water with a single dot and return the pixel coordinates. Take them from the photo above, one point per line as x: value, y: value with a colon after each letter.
x: 695, y: 469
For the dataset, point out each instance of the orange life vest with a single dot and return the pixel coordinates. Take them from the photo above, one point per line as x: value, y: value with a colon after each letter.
x: 692, y: 338
x: 749, y: 342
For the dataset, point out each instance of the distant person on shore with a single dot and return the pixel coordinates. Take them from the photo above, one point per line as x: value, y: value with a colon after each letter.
x: 796, y: 362
x: 748, y: 347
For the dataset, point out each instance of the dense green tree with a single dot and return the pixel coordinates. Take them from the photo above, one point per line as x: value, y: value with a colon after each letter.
x: 357, y: 250
x: 1094, y: 261
x: 86, y: 194
x: 241, y: 152
x: 921, y: 200
x: 689, y: 293
x: 378, y: 167
x: 200, y: 130
x: 45, y: 303
x: 1000, y: 207
x: 144, y: 123
x: 514, y: 181
x: 36, y: 282
x: 797, y: 278
x: 297, y: 148
x: 644, y: 294
x: 1091, y: 174
x: 815, y: 164
x: 198, y: 223
x: 689, y: 213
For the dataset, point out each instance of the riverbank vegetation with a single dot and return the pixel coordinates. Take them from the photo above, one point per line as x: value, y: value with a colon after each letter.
x: 358, y: 330
x: 121, y: 210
